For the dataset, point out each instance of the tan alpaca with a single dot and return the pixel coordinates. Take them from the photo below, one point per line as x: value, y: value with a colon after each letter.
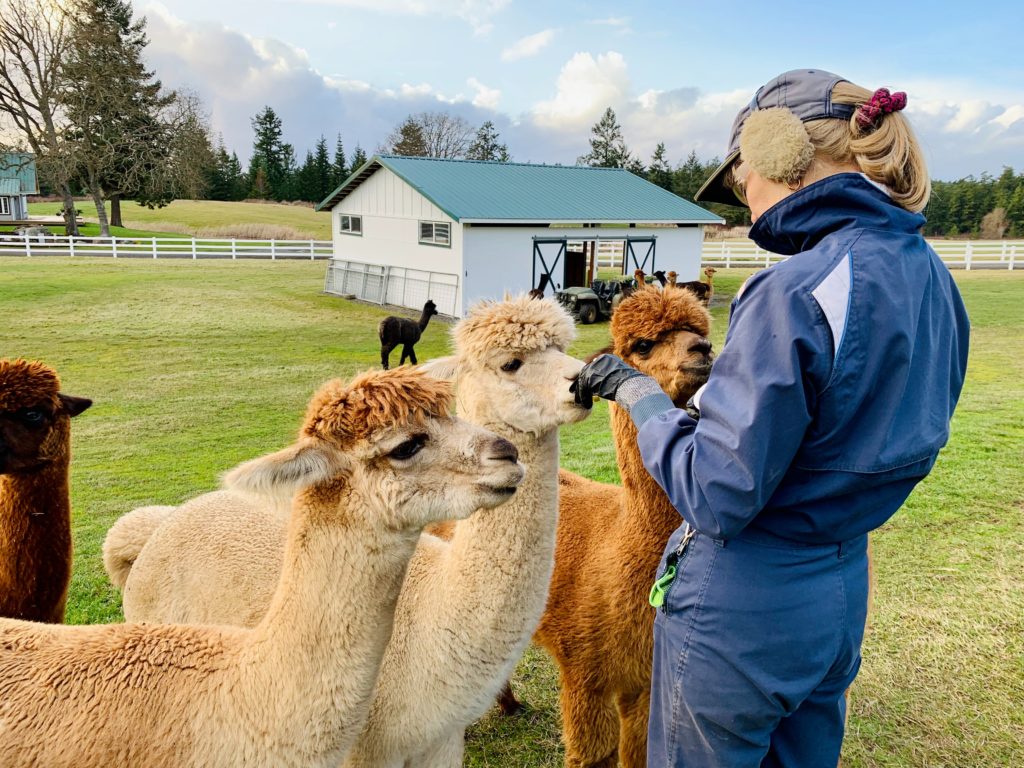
x: 35, y: 508
x: 374, y: 462
x: 469, y: 606
x: 598, y: 623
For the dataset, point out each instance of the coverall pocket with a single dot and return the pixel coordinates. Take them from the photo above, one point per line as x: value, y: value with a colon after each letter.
x: 683, y: 592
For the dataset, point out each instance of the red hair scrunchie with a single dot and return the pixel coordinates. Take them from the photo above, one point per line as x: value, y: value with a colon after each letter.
x: 881, y: 103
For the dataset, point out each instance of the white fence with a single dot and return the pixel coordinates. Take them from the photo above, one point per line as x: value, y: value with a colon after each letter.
x: 163, y: 247
x: 400, y: 286
x: 956, y: 254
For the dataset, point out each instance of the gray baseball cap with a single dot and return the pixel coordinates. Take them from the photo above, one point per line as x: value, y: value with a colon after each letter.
x: 807, y: 93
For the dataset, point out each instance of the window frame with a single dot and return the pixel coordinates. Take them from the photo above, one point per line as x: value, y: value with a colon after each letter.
x: 357, y: 232
x: 432, y: 240
x: 5, y: 206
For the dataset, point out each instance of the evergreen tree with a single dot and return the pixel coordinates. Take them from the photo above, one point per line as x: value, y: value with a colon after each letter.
x: 306, y: 187
x: 339, y: 170
x: 408, y: 139
x: 486, y: 145
x: 607, y: 147
x: 359, y: 159
x: 323, y: 171
x: 659, y: 172
x: 114, y: 107
x: 267, y: 167
x: 288, y: 189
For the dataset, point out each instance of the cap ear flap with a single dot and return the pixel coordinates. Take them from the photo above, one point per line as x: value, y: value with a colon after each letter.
x: 775, y: 144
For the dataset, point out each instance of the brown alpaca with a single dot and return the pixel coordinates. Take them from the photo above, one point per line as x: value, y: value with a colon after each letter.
x: 709, y: 272
x: 672, y: 276
x: 598, y: 625
x: 35, y: 511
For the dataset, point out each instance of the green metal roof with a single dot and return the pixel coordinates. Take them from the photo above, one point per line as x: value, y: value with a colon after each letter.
x: 476, y: 190
x: 10, y: 187
x: 21, y: 167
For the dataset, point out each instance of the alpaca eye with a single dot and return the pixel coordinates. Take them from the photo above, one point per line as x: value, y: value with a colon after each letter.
x: 512, y: 365
x: 409, y: 448
x: 643, y: 347
x: 32, y: 417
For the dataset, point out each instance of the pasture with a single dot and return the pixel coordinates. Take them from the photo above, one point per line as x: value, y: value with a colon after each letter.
x: 197, y: 366
x: 195, y: 216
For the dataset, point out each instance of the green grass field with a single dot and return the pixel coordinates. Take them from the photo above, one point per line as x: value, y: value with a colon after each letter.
x: 196, y: 366
x: 187, y: 215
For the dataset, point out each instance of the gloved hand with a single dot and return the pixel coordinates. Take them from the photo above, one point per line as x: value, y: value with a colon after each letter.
x: 602, y: 376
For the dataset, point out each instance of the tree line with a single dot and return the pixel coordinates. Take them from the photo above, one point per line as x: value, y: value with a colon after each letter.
x: 74, y: 86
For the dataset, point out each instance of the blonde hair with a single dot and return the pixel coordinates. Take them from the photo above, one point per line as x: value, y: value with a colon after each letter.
x: 887, y: 153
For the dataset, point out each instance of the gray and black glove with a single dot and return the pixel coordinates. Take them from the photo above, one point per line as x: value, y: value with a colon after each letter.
x: 610, y: 377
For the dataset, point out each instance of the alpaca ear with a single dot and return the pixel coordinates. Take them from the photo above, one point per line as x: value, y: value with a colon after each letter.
x: 298, y: 466
x: 73, y: 405
x: 443, y: 368
x: 606, y: 351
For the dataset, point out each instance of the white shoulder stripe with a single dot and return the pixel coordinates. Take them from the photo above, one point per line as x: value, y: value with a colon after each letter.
x: 833, y: 296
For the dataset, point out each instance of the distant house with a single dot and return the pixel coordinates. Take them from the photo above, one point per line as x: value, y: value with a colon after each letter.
x: 17, y: 182
x: 411, y: 228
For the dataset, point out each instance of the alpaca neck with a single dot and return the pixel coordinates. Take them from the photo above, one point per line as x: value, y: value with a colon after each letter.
x: 648, y: 510
x: 500, y: 561
x: 316, y: 654
x: 35, y: 542
x: 424, y: 319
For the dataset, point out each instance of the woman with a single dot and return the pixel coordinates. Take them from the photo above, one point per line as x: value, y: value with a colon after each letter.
x: 829, y: 402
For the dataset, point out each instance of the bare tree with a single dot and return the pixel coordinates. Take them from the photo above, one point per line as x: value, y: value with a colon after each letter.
x: 445, y: 135
x: 34, y: 40
x: 430, y: 134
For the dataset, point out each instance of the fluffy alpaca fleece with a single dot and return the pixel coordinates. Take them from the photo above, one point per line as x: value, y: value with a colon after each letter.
x: 599, y: 628
x: 35, y: 508
x: 294, y: 690
x: 469, y: 606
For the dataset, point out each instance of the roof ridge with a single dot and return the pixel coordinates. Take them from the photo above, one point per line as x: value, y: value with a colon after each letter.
x: 495, y: 162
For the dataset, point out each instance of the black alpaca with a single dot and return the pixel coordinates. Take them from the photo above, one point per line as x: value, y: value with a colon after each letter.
x: 401, y: 330
x: 538, y: 292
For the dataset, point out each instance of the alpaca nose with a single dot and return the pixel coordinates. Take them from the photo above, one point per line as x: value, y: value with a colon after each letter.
x: 503, y: 450
x: 701, y: 346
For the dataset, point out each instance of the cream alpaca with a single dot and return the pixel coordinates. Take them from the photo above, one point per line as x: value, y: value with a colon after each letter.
x: 469, y: 606
x: 374, y: 463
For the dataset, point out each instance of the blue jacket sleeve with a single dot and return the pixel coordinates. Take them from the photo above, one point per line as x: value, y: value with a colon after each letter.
x: 720, y: 471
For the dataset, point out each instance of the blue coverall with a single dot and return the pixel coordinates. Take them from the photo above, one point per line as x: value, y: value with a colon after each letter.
x: 829, y: 402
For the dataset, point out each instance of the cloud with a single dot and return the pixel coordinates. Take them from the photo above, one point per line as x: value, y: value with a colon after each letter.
x: 476, y: 13
x: 611, y: 21
x: 485, y: 98
x: 585, y: 87
x: 963, y: 128
x: 528, y: 46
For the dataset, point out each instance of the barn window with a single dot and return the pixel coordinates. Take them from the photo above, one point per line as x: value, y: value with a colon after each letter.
x: 351, y: 225
x: 436, y: 233
x: 5, y: 206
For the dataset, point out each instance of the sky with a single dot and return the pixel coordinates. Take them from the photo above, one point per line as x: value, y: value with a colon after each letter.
x: 543, y: 72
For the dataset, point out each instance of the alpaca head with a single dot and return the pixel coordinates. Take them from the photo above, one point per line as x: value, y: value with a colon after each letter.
x: 672, y: 276
x: 387, y: 441
x: 430, y: 308
x: 511, y: 367
x: 664, y: 334
x: 710, y: 272
x: 35, y: 417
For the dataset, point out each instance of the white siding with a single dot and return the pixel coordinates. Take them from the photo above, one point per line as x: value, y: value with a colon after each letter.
x: 499, y: 259
x: 391, y: 211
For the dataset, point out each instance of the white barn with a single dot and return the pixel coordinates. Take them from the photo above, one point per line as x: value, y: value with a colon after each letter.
x: 406, y: 229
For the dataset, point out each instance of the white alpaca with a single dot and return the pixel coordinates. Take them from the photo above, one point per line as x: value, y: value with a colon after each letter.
x: 374, y: 463
x: 469, y: 606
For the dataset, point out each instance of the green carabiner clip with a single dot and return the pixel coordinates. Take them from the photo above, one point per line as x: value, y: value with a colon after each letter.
x: 660, y: 588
